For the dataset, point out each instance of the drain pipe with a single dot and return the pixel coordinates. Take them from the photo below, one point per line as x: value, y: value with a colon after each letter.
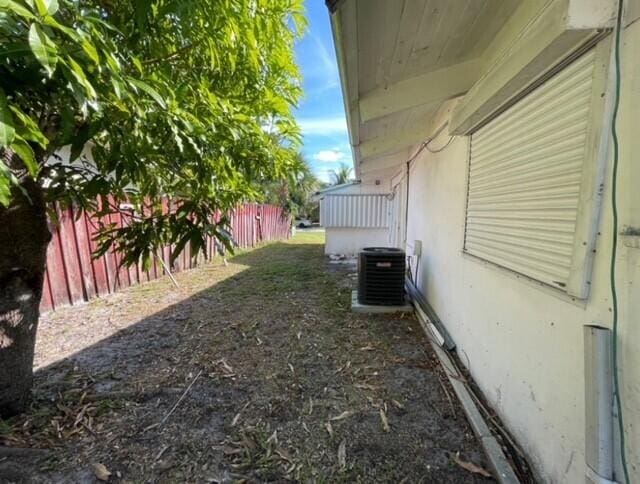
x: 406, y: 204
x: 426, y: 312
x: 598, y: 377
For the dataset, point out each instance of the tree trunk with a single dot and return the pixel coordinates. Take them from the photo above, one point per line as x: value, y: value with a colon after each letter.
x: 24, y: 237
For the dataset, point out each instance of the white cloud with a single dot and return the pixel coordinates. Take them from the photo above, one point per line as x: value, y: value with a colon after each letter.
x: 323, y: 126
x: 329, y: 156
x: 324, y: 175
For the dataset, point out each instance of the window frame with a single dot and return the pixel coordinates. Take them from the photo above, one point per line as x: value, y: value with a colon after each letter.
x: 592, y: 178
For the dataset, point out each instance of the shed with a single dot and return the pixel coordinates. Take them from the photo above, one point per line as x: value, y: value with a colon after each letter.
x: 354, y: 216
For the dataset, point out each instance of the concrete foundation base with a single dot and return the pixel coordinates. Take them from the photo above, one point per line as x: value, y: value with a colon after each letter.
x: 356, y: 307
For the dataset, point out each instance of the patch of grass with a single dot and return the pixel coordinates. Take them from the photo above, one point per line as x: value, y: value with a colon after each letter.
x: 6, y: 429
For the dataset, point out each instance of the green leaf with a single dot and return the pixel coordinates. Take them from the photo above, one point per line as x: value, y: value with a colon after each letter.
x: 69, y: 32
x: 138, y: 64
x: 16, y: 49
x: 91, y: 51
x: 112, y: 62
x: 99, y: 21
x: 146, y: 261
x: 7, y: 180
x: 29, y: 129
x: 47, y: 7
x: 26, y: 154
x: 7, y: 128
x: 77, y: 145
x: 16, y: 8
x: 149, y: 90
x: 43, y: 49
x: 179, y: 247
x: 5, y: 191
x: 5, y: 185
x: 67, y: 122
x: 81, y: 77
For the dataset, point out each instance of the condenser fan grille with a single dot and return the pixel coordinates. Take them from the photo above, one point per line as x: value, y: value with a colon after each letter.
x: 381, y: 272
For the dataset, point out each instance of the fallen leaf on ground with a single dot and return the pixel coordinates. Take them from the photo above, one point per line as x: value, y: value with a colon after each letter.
x: 470, y: 466
x: 342, y: 454
x: 162, y: 451
x: 283, y: 454
x: 397, y: 403
x: 367, y: 348
x: 365, y: 386
x: 101, y: 472
x: 228, y: 450
x: 235, y: 420
x: 343, y: 415
x: 329, y: 428
x: 273, y: 438
x: 226, y: 366
x: 385, y: 421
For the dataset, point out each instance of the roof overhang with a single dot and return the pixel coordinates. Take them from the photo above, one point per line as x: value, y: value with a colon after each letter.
x: 333, y: 189
x: 400, y: 60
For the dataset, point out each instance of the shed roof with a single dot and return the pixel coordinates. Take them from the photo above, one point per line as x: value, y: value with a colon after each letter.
x: 334, y: 189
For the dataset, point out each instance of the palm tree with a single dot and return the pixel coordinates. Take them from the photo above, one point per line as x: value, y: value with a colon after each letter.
x: 341, y: 175
x: 294, y: 193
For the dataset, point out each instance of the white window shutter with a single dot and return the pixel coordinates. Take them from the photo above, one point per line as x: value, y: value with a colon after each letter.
x: 525, y: 178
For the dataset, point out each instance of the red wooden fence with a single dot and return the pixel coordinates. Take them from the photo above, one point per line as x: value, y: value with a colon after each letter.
x: 73, y: 276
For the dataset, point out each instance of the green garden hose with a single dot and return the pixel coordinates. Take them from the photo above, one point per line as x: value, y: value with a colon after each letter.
x: 614, y: 207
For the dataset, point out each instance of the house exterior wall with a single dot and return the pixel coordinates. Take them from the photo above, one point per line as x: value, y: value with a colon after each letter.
x: 523, y: 341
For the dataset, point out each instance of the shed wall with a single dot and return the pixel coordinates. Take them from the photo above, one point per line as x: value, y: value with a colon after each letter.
x: 349, y: 241
x: 355, y: 211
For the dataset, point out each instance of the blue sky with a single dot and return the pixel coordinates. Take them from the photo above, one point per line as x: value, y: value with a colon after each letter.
x: 321, y: 112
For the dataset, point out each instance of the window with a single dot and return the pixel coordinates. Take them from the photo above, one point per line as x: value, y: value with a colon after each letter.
x: 530, y: 172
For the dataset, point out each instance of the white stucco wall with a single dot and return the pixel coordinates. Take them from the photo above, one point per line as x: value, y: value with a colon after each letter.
x: 523, y: 341
x: 349, y: 241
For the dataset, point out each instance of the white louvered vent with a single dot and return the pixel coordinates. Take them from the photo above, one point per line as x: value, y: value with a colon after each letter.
x: 525, y: 178
x: 355, y: 211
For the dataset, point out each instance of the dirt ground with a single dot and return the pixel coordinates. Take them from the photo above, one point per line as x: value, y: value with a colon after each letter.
x: 253, y: 372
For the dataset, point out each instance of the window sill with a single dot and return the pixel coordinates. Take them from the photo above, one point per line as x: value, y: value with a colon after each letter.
x: 546, y: 288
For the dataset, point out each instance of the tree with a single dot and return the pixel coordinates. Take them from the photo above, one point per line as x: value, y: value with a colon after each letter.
x: 154, y: 98
x: 341, y: 175
x: 293, y: 193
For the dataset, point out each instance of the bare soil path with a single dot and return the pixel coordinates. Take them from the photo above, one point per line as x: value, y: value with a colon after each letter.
x: 253, y: 372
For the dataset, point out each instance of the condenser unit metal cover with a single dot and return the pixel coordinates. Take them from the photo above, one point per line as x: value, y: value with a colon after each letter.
x: 381, y: 273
